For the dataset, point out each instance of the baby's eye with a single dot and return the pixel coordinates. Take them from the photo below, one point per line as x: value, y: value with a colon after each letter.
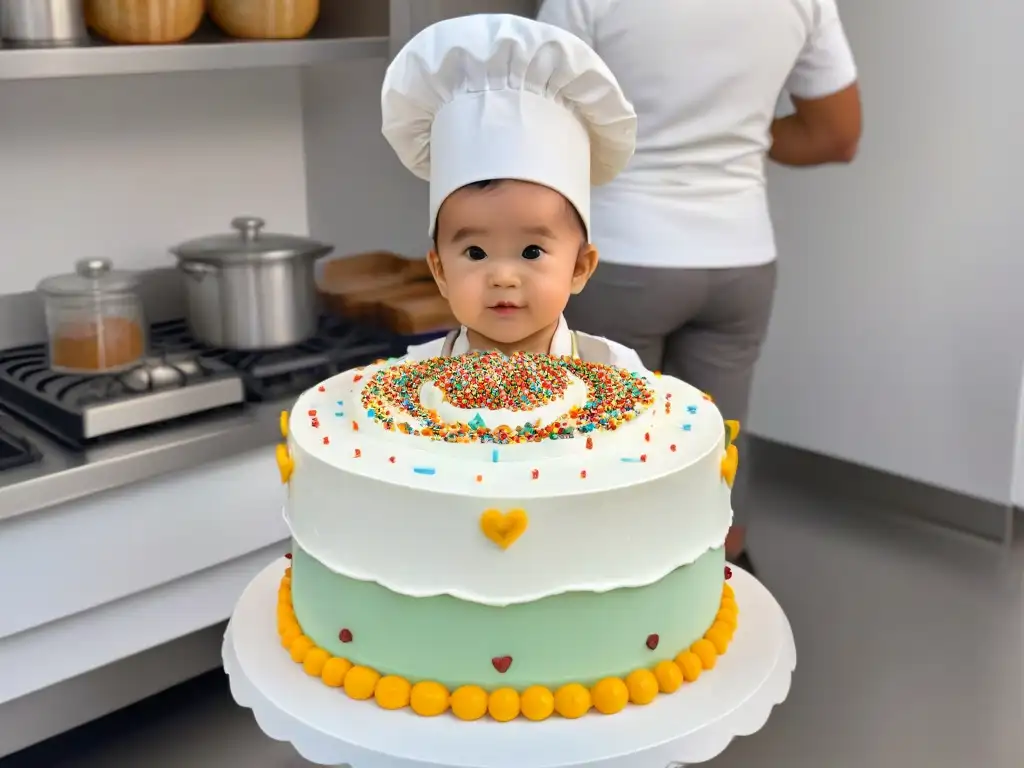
x: 532, y: 252
x: 476, y: 253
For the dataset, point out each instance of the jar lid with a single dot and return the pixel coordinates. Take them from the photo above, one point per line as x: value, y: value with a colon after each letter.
x: 249, y: 243
x: 91, y: 277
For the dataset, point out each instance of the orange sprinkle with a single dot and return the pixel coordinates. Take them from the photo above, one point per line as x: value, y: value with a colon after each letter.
x: 647, y: 436
x: 321, y: 388
x: 358, y: 453
x: 355, y: 426
x: 357, y: 377
x: 479, y: 478
x: 672, y: 447
x: 312, y: 412
x: 590, y: 443
x: 327, y: 440
x: 583, y: 474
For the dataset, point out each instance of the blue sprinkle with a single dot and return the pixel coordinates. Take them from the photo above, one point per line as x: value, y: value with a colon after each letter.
x: 371, y: 413
x: 630, y: 460
x: 494, y: 455
x: 424, y: 470
x: 691, y: 409
x: 687, y: 427
x: 341, y: 402
x: 339, y: 413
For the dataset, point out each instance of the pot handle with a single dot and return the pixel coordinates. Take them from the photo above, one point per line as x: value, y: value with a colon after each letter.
x: 196, y: 269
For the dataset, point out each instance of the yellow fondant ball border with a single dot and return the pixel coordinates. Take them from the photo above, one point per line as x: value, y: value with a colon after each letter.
x: 470, y: 702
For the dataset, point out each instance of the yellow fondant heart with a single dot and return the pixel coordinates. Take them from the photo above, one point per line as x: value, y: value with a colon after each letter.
x: 285, y: 463
x: 730, y: 463
x: 504, y: 528
x: 284, y: 424
x: 734, y: 429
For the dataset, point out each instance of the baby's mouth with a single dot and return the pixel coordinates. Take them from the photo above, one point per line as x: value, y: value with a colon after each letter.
x: 505, y: 307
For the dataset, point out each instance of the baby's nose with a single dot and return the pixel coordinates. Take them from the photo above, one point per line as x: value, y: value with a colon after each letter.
x: 504, y: 276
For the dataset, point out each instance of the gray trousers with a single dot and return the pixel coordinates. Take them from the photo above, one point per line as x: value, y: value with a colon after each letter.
x: 704, y: 326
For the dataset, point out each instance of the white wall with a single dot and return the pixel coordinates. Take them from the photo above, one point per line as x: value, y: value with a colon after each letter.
x: 360, y: 196
x: 898, y: 337
x: 126, y: 166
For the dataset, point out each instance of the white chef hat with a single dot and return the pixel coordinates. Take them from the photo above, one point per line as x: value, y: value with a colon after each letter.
x: 495, y: 96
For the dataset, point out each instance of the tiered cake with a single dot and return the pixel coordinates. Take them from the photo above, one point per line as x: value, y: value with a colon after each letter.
x: 524, y: 535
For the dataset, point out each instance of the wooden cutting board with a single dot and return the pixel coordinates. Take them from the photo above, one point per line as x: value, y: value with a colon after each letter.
x: 346, y: 279
x: 412, y: 317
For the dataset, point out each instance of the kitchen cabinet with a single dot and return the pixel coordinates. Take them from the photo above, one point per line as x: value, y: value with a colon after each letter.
x: 346, y: 31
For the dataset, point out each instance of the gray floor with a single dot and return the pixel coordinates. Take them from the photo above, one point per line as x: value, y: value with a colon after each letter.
x: 910, y: 655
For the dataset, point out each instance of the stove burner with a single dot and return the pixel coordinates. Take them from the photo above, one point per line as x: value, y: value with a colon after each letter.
x: 77, y: 408
x: 16, y: 451
x: 274, y: 374
x: 181, y: 377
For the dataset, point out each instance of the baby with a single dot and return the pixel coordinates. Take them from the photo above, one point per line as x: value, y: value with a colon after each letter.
x: 511, y: 121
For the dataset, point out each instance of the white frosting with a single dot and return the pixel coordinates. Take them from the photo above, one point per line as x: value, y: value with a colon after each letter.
x: 406, y: 511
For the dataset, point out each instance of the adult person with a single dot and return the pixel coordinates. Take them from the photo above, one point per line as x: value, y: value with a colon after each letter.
x: 687, y: 274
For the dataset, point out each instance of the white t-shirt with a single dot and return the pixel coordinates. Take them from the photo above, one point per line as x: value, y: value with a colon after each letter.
x: 705, y: 77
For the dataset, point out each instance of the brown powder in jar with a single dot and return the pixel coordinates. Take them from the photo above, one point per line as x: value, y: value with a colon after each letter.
x: 110, y: 342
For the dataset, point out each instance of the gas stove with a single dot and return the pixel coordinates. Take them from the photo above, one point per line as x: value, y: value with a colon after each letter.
x: 180, y: 378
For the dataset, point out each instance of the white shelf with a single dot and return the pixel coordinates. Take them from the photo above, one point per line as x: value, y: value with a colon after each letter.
x: 205, y: 53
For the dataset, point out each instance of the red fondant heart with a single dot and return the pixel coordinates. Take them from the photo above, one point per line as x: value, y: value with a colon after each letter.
x: 288, y: 555
x: 728, y: 573
x: 652, y: 641
x: 502, y: 663
x: 345, y: 636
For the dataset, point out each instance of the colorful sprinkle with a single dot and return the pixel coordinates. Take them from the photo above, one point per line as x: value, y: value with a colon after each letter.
x: 494, y: 455
x: 479, y: 478
x: 355, y: 426
x: 590, y: 443
x: 534, y: 473
x: 583, y: 474
x: 672, y: 447
x: 391, y: 459
x: 312, y: 412
x: 691, y: 409
x: 728, y: 573
x: 327, y: 440
x: 424, y: 470
x: 339, y: 414
x: 321, y: 388
x: 357, y: 453
x: 687, y: 427
x: 647, y: 437
x: 493, y: 381
x: 652, y: 641
x: 345, y: 635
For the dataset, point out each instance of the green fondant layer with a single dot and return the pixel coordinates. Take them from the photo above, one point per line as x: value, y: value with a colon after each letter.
x: 575, y: 637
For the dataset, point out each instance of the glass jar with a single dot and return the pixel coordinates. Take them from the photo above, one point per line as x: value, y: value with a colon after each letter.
x: 94, y: 318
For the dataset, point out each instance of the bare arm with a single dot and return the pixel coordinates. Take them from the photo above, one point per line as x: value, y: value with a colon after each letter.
x: 823, y: 130
x: 823, y: 86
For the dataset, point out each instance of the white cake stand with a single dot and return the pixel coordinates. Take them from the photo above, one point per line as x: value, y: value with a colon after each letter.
x: 691, y: 726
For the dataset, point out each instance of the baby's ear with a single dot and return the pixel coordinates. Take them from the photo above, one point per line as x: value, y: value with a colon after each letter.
x: 437, y: 270
x: 586, y: 263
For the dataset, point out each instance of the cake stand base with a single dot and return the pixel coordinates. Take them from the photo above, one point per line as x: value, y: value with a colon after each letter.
x: 693, y: 725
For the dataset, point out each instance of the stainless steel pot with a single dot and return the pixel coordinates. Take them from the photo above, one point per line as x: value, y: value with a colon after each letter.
x: 251, y: 290
x: 43, y: 22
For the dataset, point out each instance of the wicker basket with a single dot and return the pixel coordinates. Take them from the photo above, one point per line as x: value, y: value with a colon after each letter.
x: 146, y: 22
x: 265, y: 19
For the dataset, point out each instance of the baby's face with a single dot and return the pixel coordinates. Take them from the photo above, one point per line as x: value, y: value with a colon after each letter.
x: 508, y: 256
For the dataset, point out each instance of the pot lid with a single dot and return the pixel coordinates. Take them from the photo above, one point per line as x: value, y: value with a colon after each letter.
x: 91, y: 277
x: 249, y: 243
